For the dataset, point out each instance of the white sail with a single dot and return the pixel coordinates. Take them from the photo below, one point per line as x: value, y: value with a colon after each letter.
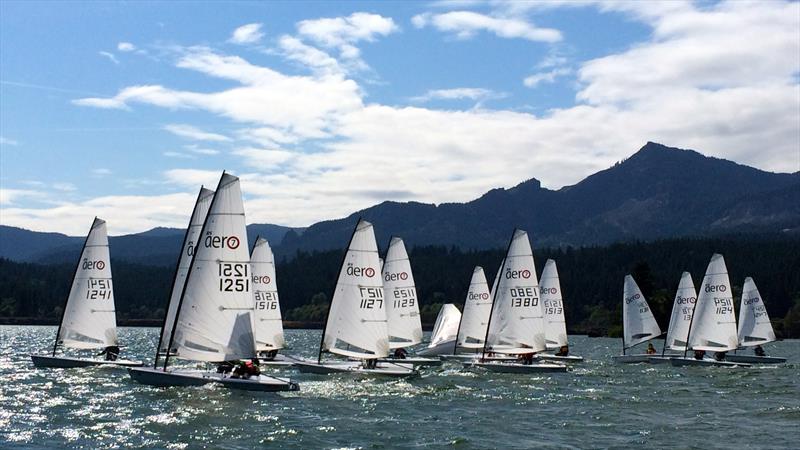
x: 638, y: 322
x: 215, y: 319
x: 90, y: 319
x: 754, y: 325
x: 402, y: 307
x: 269, y: 326
x: 477, y: 308
x: 356, y: 324
x: 517, y: 320
x: 714, y: 323
x: 189, y: 245
x: 682, y: 309
x: 555, y: 326
x: 446, y: 326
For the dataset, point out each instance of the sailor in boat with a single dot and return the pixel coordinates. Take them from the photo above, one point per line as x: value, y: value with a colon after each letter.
x: 563, y: 351
x: 699, y: 354
x: 720, y: 356
x: 226, y: 367
x: 111, y: 352
x: 245, y: 370
x: 759, y: 351
x: 268, y: 355
x: 370, y: 363
x: 400, y: 353
x: 650, y: 349
x: 526, y: 358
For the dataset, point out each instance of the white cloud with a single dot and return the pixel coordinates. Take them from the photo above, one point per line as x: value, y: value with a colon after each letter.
x: 101, y: 172
x: 466, y: 24
x: 6, y: 141
x: 64, y: 187
x: 192, y: 177
x: 545, y: 77
x: 110, y: 56
x: 10, y: 196
x: 295, y: 50
x: 126, y: 47
x: 194, y: 133
x: 201, y: 151
x: 247, y: 34
x: 457, y: 94
x: 264, y: 159
x: 172, y: 154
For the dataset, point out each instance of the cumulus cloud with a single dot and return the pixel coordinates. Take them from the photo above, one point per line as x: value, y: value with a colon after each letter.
x: 6, y: 141
x: 466, y: 24
x: 247, y: 34
x: 545, y: 77
x: 126, y: 47
x: 101, y: 172
x: 457, y: 94
x: 194, y: 133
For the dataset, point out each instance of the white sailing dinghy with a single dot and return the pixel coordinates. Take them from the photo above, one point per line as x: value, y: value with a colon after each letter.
x: 402, y: 306
x: 679, y: 321
x: 268, y: 320
x: 638, y: 323
x: 214, y: 317
x: 755, y: 329
x: 516, y: 320
x: 555, y: 326
x: 356, y: 326
x: 88, y: 321
x: 191, y: 239
x: 713, y: 323
x: 443, y: 338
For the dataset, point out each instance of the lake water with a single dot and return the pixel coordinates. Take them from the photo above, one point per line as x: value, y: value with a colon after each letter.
x: 597, y: 405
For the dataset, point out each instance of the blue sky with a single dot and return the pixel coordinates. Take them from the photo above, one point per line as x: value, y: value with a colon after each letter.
x: 122, y: 109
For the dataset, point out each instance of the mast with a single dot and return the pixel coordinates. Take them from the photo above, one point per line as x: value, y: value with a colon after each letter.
x: 328, y: 313
x: 74, y: 274
x: 189, y: 274
x: 174, y: 278
x: 494, y: 294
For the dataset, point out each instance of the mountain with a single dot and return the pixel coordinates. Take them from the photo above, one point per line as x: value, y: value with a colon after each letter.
x: 659, y: 192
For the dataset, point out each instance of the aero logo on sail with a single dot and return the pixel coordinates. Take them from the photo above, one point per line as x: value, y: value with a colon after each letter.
x: 395, y: 276
x: 715, y: 288
x: 515, y: 274
x: 90, y: 265
x: 232, y: 242
x: 481, y: 296
x: 368, y: 272
x: 548, y: 291
x: 262, y: 279
x: 632, y: 298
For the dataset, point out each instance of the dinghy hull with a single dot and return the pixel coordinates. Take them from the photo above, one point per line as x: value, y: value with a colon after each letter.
x: 681, y: 362
x: 357, y: 369
x: 560, y: 359
x: 260, y: 384
x: 518, y: 368
x: 160, y: 378
x: 631, y: 359
x: 413, y: 360
x: 752, y: 359
x: 278, y: 361
x: 445, y: 348
x: 661, y: 359
x: 64, y: 362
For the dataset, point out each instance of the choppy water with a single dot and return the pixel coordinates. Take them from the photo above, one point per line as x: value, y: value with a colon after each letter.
x: 599, y: 404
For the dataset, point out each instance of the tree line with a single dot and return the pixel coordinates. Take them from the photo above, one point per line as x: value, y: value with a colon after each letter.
x: 591, y: 281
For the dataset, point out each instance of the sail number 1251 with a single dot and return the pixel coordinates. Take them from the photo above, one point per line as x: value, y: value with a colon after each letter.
x: 234, y: 277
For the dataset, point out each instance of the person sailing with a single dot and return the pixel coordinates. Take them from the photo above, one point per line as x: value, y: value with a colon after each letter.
x: 759, y: 351
x: 650, y: 349
x: 563, y: 351
x: 111, y: 352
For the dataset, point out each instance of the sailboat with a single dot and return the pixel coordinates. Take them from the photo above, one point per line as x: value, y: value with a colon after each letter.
x: 555, y: 326
x: 682, y: 309
x: 755, y: 329
x: 516, y: 320
x: 356, y: 325
x: 214, y: 316
x: 88, y: 320
x: 267, y: 313
x: 445, y: 330
x: 191, y: 239
x: 713, y: 323
x: 638, y: 323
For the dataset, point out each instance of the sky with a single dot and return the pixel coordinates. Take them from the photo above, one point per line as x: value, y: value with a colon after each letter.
x: 123, y: 109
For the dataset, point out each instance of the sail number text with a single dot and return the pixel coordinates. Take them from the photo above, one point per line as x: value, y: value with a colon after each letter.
x: 371, y: 297
x: 266, y: 300
x: 98, y: 289
x: 234, y: 277
x: 524, y: 297
x: 403, y: 298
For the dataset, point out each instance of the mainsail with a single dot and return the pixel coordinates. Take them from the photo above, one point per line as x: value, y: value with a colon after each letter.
x: 714, y: 323
x: 215, y: 316
x: 682, y: 309
x: 190, y: 242
x: 268, y: 324
x: 477, y: 308
x: 356, y: 324
x: 555, y: 327
x: 89, y: 319
x: 638, y: 322
x: 446, y: 326
x: 754, y: 325
x: 516, y: 325
x: 402, y: 307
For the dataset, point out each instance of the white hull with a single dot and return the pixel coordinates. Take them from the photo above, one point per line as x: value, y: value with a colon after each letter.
x: 68, y: 362
x: 631, y: 359
x: 501, y: 367
x: 680, y: 362
x: 753, y: 359
x: 354, y: 368
x: 157, y: 377
x: 561, y: 359
x: 662, y: 359
x: 278, y: 361
x: 444, y: 348
x: 472, y: 357
x: 413, y: 360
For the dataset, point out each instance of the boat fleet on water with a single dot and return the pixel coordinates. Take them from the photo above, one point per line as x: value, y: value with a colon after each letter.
x: 224, y: 313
